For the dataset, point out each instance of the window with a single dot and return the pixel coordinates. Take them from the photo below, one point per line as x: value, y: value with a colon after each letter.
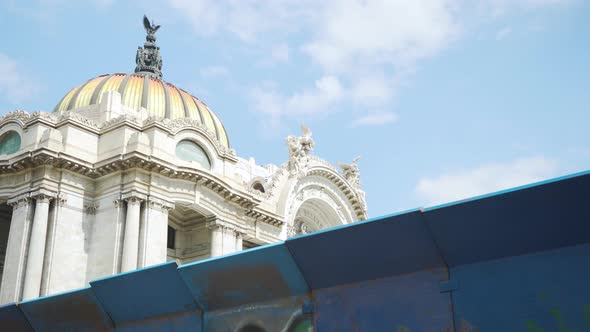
x: 171, y: 238
x: 258, y: 186
x: 9, y: 143
x: 190, y: 151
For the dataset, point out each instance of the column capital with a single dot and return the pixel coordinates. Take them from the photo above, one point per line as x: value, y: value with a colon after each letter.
x: 118, y: 202
x: 134, y: 197
x: 159, y: 204
x: 19, y: 202
x: 91, y: 207
x: 226, y: 227
x: 42, y: 198
x: 133, y: 200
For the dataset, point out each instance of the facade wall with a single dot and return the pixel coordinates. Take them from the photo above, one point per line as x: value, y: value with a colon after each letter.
x: 88, y: 165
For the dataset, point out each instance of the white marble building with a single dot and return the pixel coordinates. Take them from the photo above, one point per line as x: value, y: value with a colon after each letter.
x: 130, y: 171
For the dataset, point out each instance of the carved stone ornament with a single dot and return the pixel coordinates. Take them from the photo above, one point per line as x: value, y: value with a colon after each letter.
x: 91, y: 208
x: 299, y: 149
x: 18, y: 115
x: 20, y: 202
x: 352, y: 172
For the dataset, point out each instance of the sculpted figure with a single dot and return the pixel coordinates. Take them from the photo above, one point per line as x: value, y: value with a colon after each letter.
x: 150, y: 29
x: 352, y: 172
x: 299, y: 148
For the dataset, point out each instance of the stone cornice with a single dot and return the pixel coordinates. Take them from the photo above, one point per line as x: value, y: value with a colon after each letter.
x: 136, y: 160
x: 57, y: 119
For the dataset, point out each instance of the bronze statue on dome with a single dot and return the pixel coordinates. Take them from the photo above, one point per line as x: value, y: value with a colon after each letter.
x: 148, y: 60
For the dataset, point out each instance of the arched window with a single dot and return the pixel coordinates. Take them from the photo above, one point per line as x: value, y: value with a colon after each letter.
x: 9, y: 142
x: 190, y: 151
x: 258, y: 186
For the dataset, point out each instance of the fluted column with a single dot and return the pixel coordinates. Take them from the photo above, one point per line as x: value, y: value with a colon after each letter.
x: 34, y: 270
x: 216, y: 240
x: 131, y: 237
x: 239, y: 241
x: 14, y: 262
x: 153, y: 247
x: 226, y: 238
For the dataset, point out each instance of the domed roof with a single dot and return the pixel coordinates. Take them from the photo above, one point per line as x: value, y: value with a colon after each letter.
x: 137, y: 91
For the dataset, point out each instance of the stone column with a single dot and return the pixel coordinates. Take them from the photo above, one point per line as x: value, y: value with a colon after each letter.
x: 225, y: 238
x: 153, y: 242
x: 131, y: 237
x: 216, y: 240
x: 34, y: 270
x: 239, y: 241
x: 14, y: 262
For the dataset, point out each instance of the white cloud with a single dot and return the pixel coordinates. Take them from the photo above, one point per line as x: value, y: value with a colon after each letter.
x: 348, y: 39
x: 14, y: 84
x: 502, y: 7
x: 214, y: 71
x: 280, y: 52
x: 326, y: 92
x: 366, y: 33
x: 372, y: 90
x: 503, y: 33
x: 375, y: 119
x: 245, y: 19
x: 485, y: 179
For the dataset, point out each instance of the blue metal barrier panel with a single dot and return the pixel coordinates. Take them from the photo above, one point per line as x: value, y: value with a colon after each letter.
x: 255, y: 275
x: 12, y: 319
x: 366, y: 250
x: 149, y: 292
x: 73, y: 311
x: 187, y: 321
x: 538, y: 217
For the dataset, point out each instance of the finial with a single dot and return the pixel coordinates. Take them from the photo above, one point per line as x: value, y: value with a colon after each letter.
x: 148, y: 59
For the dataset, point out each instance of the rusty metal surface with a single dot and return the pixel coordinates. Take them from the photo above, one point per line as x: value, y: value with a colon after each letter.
x: 411, y: 302
x: 186, y: 321
x: 253, y: 276
x: 386, y: 246
x: 149, y: 292
x: 277, y: 315
x: 73, y: 311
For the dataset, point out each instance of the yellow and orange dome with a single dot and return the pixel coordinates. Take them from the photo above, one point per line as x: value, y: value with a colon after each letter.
x: 137, y: 91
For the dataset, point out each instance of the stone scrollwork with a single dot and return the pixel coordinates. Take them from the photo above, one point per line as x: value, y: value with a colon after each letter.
x: 299, y: 149
x: 18, y: 115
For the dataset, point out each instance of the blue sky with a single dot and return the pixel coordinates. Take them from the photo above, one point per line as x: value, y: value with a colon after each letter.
x: 442, y: 99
